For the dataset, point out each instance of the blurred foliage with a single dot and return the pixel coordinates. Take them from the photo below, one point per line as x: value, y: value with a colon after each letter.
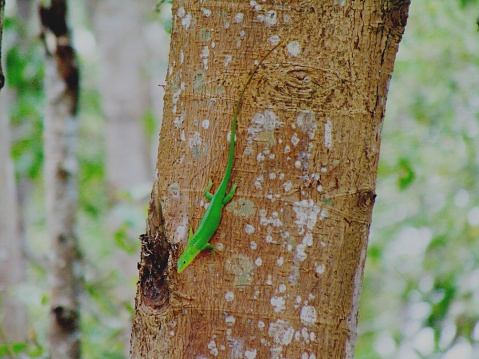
x: 421, y: 285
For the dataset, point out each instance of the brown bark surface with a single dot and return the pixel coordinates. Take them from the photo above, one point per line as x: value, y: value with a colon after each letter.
x: 286, y: 279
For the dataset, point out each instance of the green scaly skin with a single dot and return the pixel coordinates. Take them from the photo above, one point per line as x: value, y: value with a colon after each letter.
x: 210, y: 222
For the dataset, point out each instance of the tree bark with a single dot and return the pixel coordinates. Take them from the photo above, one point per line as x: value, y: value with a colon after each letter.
x: 291, y: 247
x: 60, y: 134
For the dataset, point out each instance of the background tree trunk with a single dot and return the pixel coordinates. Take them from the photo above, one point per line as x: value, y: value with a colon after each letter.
x: 60, y: 135
x: 126, y: 100
x: 292, y: 244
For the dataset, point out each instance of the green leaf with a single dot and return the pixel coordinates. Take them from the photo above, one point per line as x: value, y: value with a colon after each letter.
x: 406, y: 174
x: 19, y: 347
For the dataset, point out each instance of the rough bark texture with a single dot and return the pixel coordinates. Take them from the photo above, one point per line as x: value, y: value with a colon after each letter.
x: 286, y: 279
x: 60, y: 133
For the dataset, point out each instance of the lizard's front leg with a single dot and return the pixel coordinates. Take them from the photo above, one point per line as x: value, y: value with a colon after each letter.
x: 230, y: 195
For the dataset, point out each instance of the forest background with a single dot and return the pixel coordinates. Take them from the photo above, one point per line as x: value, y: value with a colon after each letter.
x: 421, y: 288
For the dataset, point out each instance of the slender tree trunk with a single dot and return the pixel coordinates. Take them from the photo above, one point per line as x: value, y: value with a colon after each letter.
x: 60, y: 133
x: 119, y: 26
x: 286, y: 279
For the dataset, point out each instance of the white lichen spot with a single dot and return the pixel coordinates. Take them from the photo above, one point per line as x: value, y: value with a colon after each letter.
x: 242, y: 33
x: 212, y: 347
x: 324, y: 214
x: 178, y: 121
x: 269, y: 280
x: 287, y: 149
x: 281, y: 331
x: 306, y: 213
x: 213, y: 44
x: 195, y: 140
x: 339, y: 2
x: 229, y: 296
x: 227, y: 60
x: 227, y: 24
x: 182, y: 56
x: 305, y: 334
x: 261, y: 324
x: 294, y: 48
x: 182, y: 136
x: 230, y: 320
x: 270, y: 19
x: 260, y: 157
x: 300, y: 252
x: 186, y: 21
x: 306, y: 121
x: 311, y: 296
x: 204, y: 55
x: 219, y: 247
x: 295, y: 139
x: 181, y: 12
x: 328, y: 138
x: 319, y: 188
x: 265, y: 121
x: 297, y: 164
x: 205, y: 124
x: 206, y: 12
x: 273, y: 220
x: 239, y: 17
x: 308, y: 239
x: 280, y: 261
x: 253, y: 245
x: 258, y: 182
x: 304, y: 355
x: 250, y: 354
x: 278, y: 303
x: 249, y: 229
x: 172, y: 333
x: 308, y: 315
x: 268, y: 239
x: 312, y: 336
x: 282, y: 288
x: 258, y: 262
x: 274, y: 40
x: 272, y: 176
x: 320, y: 269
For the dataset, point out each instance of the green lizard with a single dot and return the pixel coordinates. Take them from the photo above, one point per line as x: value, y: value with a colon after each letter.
x: 210, y: 222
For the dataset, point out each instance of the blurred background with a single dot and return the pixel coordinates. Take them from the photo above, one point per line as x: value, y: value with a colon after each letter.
x: 421, y: 287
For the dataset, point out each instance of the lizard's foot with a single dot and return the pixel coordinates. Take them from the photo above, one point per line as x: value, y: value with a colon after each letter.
x: 230, y: 195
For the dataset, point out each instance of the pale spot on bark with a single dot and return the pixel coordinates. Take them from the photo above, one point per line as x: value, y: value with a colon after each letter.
x: 278, y: 303
x: 328, y: 138
x: 294, y: 48
x: 308, y: 315
x: 239, y: 17
x: 229, y: 296
x: 281, y: 332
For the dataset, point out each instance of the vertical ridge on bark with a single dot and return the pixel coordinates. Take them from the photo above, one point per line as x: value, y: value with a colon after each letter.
x: 60, y: 135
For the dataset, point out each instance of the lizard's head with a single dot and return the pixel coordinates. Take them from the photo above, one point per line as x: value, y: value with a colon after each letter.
x: 184, y: 261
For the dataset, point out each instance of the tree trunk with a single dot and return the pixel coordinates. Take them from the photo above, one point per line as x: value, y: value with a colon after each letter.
x: 60, y: 134
x: 286, y: 279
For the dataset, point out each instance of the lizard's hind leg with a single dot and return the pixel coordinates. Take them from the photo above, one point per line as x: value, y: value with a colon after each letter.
x: 208, y: 195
